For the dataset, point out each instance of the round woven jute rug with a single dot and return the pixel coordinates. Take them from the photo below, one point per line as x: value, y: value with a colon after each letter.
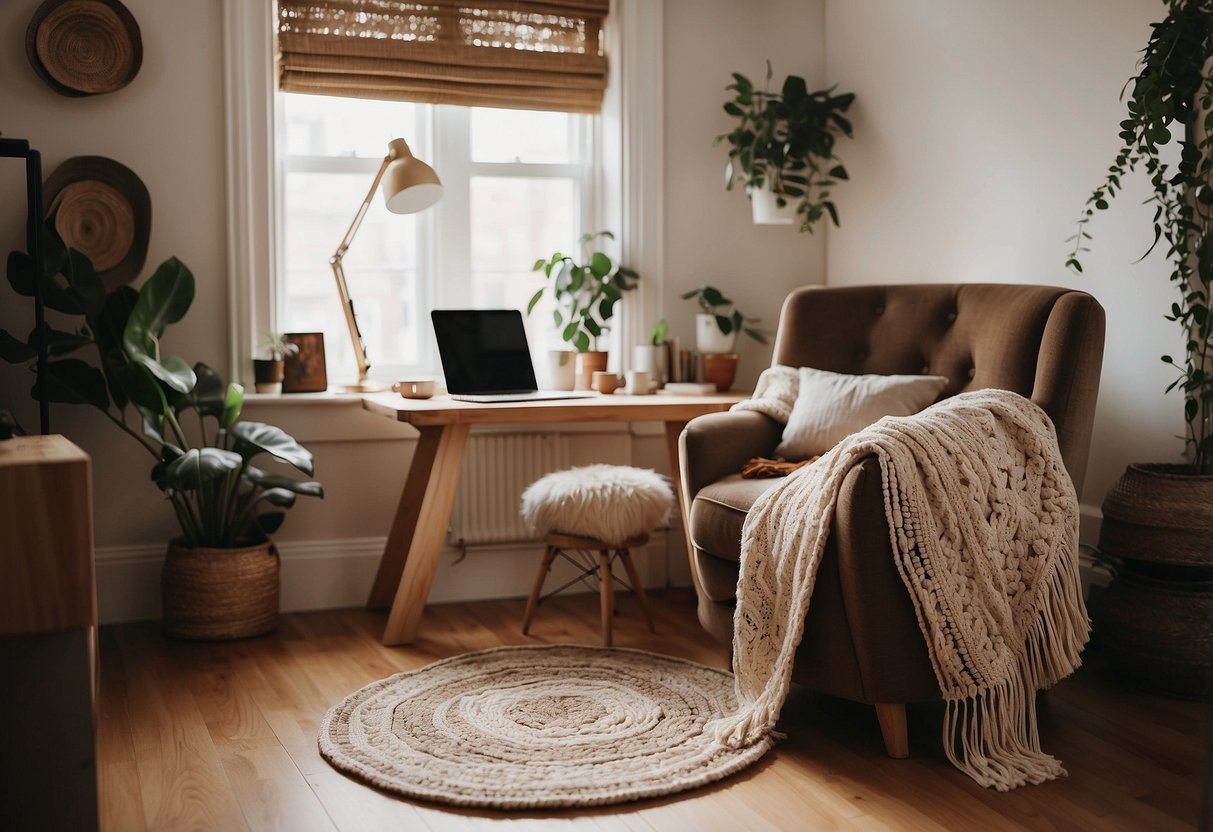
x: 537, y: 727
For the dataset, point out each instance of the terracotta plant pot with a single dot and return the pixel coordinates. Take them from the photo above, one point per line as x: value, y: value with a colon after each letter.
x: 218, y: 594
x: 720, y: 370
x: 589, y: 363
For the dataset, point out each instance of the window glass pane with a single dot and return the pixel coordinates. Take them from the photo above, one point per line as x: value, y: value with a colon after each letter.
x: 322, y: 125
x: 380, y: 269
x: 516, y: 221
x: 521, y: 136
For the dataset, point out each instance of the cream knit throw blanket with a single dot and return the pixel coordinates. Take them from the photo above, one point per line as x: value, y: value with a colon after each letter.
x: 983, y: 523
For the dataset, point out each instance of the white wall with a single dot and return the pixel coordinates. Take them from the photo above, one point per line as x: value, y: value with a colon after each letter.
x: 709, y: 237
x: 981, y: 127
x: 168, y: 126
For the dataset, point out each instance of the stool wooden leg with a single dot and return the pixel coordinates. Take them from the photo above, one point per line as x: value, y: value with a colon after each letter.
x: 537, y: 588
x: 607, y: 590
x: 638, y: 587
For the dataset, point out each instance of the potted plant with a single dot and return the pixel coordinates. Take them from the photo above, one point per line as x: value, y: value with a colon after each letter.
x: 782, y: 148
x: 1154, y: 615
x: 651, y: 357
x: 717, y: 325
x: 220, y: 577
x: 719, y: 321
x: 585, y: 296
x: 270, y: 368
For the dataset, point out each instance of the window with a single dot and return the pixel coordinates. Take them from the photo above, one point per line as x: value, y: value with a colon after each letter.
x: 620, y: 151
x: 517, y: 188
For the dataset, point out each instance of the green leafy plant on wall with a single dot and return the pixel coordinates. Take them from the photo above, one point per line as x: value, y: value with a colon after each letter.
x: 1175, y: 87
x: 585, y: 293
x: 784, y: 141
x: 186, y: 417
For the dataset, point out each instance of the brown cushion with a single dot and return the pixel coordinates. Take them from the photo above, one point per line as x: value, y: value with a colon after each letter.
x: 718, y: 512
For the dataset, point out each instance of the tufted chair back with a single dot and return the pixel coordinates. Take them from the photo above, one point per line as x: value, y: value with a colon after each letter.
x: 1033, y: 340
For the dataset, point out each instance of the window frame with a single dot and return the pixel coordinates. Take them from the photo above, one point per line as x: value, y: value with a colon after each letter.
x: 627, y: 185
x: 445, y: 230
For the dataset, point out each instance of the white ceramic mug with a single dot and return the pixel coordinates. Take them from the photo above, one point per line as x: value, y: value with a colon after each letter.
x: 639, y: 383
x: 415, y: 389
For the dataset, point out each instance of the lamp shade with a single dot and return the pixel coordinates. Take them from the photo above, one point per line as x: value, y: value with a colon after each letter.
x: 410, y: 185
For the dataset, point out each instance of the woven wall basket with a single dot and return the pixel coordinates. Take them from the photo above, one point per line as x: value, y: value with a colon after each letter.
x: 215, y: 594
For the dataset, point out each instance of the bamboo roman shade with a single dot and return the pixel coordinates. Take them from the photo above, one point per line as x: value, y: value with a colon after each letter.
x: 528, y: 54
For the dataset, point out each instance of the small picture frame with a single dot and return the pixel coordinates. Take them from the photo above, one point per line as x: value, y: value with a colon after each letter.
x: 305, y: 370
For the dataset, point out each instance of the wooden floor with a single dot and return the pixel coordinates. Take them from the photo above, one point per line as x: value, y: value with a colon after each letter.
x: 223, y: 736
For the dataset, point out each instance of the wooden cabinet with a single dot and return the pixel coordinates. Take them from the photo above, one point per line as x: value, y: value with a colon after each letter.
x: 48, y: 636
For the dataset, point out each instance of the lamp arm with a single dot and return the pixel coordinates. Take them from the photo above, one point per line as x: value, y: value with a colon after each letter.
x: 347, y: 303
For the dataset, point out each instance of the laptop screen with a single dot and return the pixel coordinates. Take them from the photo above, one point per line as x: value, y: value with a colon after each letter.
x: 483, y: 350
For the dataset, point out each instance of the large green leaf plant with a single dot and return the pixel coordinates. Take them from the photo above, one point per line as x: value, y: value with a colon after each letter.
x: 187, y: 418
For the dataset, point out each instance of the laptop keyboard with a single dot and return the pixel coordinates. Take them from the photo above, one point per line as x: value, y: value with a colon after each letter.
x: 534, y: 395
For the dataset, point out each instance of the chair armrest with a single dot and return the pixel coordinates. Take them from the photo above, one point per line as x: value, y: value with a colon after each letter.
x: 890, y: 654
x: 713, y: 446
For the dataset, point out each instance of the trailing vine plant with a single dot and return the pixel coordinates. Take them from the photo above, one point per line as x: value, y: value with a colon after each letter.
x: 1174, y: 85
x: 785, y: 141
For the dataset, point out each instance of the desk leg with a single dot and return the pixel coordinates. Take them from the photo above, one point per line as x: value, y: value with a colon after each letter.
x: 673, y: 430
x: 415, y: 542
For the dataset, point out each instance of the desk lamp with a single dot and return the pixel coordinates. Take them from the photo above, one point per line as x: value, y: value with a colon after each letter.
x: 410, y: 185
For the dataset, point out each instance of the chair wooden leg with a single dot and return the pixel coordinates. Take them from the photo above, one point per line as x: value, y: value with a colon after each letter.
x: 607, y: 591
x: 893, y: 729
x: 537, y: 588
x: 638, y: 587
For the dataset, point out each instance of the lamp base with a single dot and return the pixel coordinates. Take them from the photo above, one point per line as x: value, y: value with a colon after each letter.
x: 365, y: 386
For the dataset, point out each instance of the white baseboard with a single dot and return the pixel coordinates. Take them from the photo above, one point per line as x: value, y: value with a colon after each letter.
x: 328, y: 574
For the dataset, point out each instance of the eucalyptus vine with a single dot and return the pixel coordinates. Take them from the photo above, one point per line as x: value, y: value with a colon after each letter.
x: 1174, y: 85
x: 785, y: 141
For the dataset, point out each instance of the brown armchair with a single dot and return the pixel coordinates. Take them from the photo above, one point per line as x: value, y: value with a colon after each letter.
x: 861, y: 638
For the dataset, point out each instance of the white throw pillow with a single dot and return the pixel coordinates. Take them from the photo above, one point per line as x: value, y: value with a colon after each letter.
x: 832, y: 406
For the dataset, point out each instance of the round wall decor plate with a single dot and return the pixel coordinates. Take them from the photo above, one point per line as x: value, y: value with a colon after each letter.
x: 101, y: 208
x: 84, y: 47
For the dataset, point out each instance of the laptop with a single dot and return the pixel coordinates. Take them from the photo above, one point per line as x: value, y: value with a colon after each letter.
x: 485, y: 357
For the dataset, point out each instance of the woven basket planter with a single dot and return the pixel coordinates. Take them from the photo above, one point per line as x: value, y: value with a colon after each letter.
x: 1159, y: 633
x: 1155, y: 620
x: 217, y: 594
x: 1160, y: 514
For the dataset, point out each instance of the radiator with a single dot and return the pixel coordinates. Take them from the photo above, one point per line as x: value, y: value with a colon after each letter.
x: 496, y: 470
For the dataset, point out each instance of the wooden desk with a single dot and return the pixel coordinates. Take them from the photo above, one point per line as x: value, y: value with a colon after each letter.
x: 410, y: 557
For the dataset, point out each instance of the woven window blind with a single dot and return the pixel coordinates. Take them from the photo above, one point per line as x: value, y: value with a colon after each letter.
x: 528, y: 54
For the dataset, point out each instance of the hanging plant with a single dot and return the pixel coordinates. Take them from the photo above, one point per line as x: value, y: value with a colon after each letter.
x: 784, y: 141
x: 1175, y: 86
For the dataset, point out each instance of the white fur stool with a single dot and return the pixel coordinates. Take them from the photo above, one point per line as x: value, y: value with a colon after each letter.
x: 608, y: 509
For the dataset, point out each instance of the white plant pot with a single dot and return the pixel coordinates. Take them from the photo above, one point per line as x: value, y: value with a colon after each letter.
x: 562, y: 369
x: 649, y: 359
x: 709, y: 338
x: 766, y: 210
